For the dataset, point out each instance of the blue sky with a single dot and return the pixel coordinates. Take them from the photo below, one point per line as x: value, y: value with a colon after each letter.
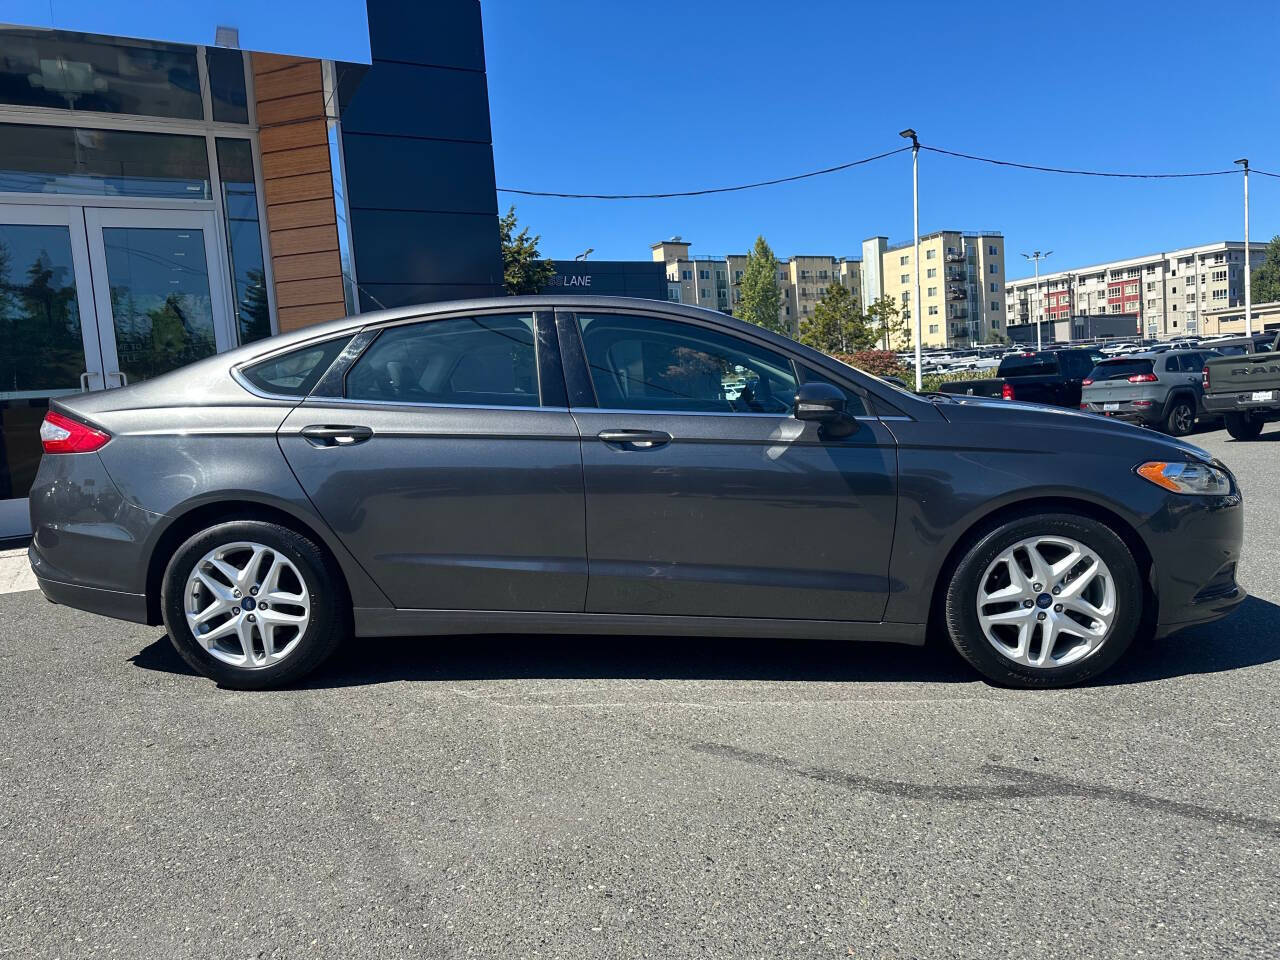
x: 625, y: 96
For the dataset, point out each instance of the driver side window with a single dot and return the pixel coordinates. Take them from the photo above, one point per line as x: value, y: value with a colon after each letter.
x: 648, y: 363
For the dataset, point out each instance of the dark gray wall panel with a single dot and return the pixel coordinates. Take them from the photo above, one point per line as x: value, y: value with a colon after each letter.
x: 395, y: 173
x: 415, y: 101
x: 443, y: 33
x: 375, y: 296
x: 405, y: 246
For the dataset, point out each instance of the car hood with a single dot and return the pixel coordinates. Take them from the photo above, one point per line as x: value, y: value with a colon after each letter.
x: 997, y: 413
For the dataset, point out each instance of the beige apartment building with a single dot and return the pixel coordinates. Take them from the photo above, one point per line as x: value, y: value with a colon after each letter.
x: 1170, y: 292
x: 962, y: 284
x: 715, y: 282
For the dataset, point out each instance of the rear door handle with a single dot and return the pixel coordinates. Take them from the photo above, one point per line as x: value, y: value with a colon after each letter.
x: 319, y: 435
x: 635, y: 439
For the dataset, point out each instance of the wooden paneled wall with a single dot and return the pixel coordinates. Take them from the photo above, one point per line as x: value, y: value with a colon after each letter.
x: 297, y: 186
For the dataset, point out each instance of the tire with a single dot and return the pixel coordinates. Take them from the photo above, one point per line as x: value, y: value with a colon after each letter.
x: 1241, y: 426
x: 991, y: 648
x: 308, y: 581
x: 1180, y: 418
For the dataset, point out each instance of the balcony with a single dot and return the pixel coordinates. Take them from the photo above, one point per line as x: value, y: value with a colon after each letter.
x: 957, y: 293
x: 954, y: 258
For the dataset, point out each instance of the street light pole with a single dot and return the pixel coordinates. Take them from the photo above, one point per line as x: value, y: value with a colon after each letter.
x: 1248, y: 291
x: 1036, y: 257
x: 910, y: 134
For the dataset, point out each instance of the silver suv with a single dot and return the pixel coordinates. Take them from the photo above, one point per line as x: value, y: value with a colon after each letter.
x: 1163, y: 390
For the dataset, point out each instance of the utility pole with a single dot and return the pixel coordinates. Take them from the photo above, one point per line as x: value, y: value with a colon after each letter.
x: 917, y: 307
x: 1036, y: 257
x: 1248, y: 280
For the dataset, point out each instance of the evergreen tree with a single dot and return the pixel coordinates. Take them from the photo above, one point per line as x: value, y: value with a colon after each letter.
x: 888, y: 325
x: 837, y: 325
x: 522, y: 270
x: 1265, y: 285
x: 761, y: 297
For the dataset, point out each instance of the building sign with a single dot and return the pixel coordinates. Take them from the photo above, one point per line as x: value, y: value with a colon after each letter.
x: 571, y: 281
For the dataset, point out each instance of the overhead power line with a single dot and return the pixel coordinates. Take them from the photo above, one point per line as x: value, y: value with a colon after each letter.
x: 880, y: 156
x: 701, y: 193
x: 1081, y: 173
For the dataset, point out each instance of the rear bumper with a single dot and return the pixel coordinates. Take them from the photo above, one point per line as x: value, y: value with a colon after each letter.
x: 109, y: 603
x: 1147, y: 416
x: 1241, y: 403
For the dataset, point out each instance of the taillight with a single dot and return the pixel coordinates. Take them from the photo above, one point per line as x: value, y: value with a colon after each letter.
x: 1143, y: 378
x: 1086, y: 381
x: 1006, y: 391
x: 1205, y: 375
x: 61, y: 434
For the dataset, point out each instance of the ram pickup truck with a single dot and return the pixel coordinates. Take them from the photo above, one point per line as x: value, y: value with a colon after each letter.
x: 1244, y: 385
x: 1046, y: 376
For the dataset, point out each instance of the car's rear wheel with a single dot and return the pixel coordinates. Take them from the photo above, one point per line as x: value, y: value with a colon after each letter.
x: 253, y: 604
x: 1180, y: 418
x: 1045, y: 601
x: 1241, y: 426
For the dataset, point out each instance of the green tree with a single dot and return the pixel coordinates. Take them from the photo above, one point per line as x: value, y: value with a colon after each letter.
x: 761, y: 298
x: 888, y: 326
x: 837, y: 325
x: 1266, y: 278
x: 522, y: 269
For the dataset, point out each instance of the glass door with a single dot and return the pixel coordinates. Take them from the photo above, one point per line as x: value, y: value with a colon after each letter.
x: 159, y: 306
x: 48, y: 337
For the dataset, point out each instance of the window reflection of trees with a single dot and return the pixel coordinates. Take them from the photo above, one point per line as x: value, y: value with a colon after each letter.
x: 40, y: 342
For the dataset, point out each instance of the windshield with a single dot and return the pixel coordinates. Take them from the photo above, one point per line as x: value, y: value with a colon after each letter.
x: 1120, y: 369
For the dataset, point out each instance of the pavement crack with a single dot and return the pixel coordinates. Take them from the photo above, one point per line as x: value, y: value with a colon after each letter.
x: 1023, y: 784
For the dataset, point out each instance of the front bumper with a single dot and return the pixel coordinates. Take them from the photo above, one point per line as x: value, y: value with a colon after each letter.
x: 1195, y: 544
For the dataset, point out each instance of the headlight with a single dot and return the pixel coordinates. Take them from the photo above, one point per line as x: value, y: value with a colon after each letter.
x: 1197, y: 479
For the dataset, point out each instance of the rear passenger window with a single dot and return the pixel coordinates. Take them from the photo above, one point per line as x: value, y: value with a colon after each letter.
x: 295, y: 373
x: 462, y: 361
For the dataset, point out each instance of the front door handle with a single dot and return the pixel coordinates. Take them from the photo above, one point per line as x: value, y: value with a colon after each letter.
x: 323, y: 435
x: 635, y: 439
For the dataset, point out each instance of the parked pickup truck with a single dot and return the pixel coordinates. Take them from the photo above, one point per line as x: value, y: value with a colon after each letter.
x: 1244, y: 385
x: 1045, y: 376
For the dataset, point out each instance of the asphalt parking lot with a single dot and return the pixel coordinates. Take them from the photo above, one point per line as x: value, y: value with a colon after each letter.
x: 605, y: 797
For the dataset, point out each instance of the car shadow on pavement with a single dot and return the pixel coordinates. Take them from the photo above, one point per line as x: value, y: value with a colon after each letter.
x: 1249, y: 637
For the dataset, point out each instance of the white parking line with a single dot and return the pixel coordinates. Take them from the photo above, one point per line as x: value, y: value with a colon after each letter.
x: 15, y: 572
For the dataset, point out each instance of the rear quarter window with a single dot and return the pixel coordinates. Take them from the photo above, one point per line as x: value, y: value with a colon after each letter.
x: 1120, y: 369
x: 295, y: 373
x: 1029, y: 365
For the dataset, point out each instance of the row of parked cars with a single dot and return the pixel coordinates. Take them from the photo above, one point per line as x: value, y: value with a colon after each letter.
x: 1166, y: 386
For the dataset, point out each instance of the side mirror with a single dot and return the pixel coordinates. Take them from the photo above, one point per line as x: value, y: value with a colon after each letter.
x: 824, y: 403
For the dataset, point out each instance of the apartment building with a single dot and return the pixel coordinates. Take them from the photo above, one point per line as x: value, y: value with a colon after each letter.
x: 716, y: 282
x: 962, y: 284
x: 1170, y: 292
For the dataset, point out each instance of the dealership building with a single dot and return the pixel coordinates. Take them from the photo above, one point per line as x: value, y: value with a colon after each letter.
x: 160, y: 202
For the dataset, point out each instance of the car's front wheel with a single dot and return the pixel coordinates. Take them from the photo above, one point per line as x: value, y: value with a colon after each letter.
x: 1045, y: 600
x: 252, y: 604
x: 1241, y: 426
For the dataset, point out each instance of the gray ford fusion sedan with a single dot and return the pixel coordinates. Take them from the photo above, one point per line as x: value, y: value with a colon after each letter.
x: 614, y: 466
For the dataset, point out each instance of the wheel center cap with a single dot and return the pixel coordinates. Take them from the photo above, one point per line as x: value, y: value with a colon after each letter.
x: 248, y: 603
x: 1044, y: 602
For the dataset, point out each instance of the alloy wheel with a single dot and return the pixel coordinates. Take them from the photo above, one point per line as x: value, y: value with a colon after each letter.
x: 1182, y: 419
x: 247, y: 604
x: 1046, y: 602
